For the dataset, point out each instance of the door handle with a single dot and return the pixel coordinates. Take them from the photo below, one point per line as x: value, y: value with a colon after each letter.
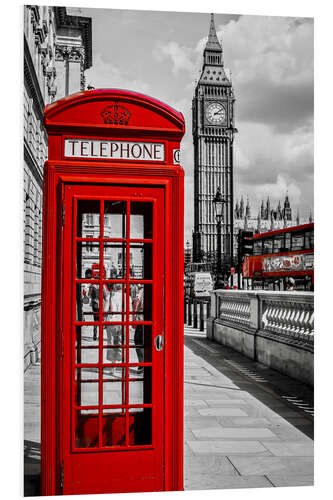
x: 159, y: 342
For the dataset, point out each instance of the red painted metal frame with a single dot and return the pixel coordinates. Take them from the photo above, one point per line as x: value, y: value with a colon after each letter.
x: 78, y: 116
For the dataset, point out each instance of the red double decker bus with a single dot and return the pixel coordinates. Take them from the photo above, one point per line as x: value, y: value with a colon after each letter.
x: 276, y: 256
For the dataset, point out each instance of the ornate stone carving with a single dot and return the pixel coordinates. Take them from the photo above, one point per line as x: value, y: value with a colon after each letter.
x: 68, y: 52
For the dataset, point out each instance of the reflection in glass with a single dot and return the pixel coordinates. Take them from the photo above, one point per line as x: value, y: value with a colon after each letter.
x: 117, y: 307
x: 115, y: 260
x: 114, y: 427
x: 140, y: 426
x: 141, y: 295
x: 141, y: 220
x: 86, y: 386
x: 113, y: 393
x: 88, y: 218
x: 114, y: 219
x: 140, y: 387
x: 86, y: 428
x: 87, y: 255
x: 140, y: 344
x: 141, y: 261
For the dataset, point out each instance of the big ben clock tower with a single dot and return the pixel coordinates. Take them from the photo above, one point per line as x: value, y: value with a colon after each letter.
x: 213, y: 132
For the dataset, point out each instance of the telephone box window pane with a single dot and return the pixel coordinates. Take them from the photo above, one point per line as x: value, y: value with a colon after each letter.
x: 114, y: 355
x: 115, y: 260
x: 87, y: 255
x: 114, y: 428
x: 114, y: 335
x: 141, y: 220
x: 141, y: 258
x: 87, y: 301
x: 113, y: 386
x: 84, y: 338
x: 140, y: 344
x: 86, y: 355
x: 86, y: 386
x: 141, y: 309
x: 140, y: 426
x: 114, y: 219
x: 116, y: 310
x: 88, y: 212
x: 140, y: 387
x: 86, y: 429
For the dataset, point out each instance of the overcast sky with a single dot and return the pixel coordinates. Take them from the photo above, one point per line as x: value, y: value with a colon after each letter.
x: 271, y: 61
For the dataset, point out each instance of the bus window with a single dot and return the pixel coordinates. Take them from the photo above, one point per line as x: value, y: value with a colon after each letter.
x: 278, y: 243
x: 312, y: 239
x: 257, y: 247
x: 297, y: 241
x: 287, y: 245
x: 268, y: 246
x: 308, y: 240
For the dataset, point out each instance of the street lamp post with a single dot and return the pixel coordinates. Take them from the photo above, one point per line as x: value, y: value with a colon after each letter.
x: 218, y: 202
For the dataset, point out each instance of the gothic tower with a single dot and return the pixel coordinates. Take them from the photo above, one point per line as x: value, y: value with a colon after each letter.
x: 213, y: 132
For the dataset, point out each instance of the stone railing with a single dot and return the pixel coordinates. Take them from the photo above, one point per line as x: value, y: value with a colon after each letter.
x: 235, y: 309
x: 284, y: 314
x: 274, y: 328
x: 290, y: 316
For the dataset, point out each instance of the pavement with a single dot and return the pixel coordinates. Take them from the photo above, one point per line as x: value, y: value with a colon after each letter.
x: 245, y: 425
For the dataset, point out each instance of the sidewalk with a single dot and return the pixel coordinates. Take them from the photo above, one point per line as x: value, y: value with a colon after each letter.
x: 240, y: 430
x: 32, y: 431
x: 245, y: 425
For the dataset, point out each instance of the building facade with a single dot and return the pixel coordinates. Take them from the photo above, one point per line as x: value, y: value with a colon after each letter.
x: 57, y: 51
x: 213, y: 133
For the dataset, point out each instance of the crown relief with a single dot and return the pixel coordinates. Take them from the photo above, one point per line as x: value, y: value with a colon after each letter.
x: 116, y: 115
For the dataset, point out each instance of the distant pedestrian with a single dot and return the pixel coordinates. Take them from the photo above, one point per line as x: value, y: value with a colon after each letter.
x: 290, y: 284
x: 138, y: 335
x: 114, y: 332
x: 94, y: 296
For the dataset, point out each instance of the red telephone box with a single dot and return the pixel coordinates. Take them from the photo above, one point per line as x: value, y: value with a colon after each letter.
x: 112, y: 296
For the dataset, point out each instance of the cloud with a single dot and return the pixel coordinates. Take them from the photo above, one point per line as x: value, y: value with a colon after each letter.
x: 180, y: 56
x: 272, y: 69
x: 105, y: 75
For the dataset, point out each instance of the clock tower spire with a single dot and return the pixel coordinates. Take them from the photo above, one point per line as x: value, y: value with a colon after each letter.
x: 213, y: 133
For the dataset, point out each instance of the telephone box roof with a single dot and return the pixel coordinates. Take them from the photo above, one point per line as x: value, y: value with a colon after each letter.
x: 56, y: 109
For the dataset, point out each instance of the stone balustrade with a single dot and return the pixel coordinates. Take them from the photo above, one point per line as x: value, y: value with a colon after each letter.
x: 275, y: 328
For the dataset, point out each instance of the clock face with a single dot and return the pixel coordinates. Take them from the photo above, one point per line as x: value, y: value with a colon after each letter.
x: 215, y: 113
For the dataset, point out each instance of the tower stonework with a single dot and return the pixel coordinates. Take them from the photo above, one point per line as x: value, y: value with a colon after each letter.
x: 213, y: 131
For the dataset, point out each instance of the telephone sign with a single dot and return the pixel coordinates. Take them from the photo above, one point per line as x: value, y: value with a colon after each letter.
x: 112, y: 292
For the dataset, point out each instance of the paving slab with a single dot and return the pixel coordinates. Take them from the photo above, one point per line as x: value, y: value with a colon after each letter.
x: 264, y: 465
x: 214, y: 412
x: 216, y: 481
x: 234, y: 433
x: 288, y: 449
x: 227, y: 447
x: 280, y: 480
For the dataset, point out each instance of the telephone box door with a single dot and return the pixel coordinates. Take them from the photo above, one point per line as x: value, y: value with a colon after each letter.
x: 112, y: 370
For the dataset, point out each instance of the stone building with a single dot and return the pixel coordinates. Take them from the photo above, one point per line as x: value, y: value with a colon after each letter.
x: 213, y: 133
x: 57, y: 51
